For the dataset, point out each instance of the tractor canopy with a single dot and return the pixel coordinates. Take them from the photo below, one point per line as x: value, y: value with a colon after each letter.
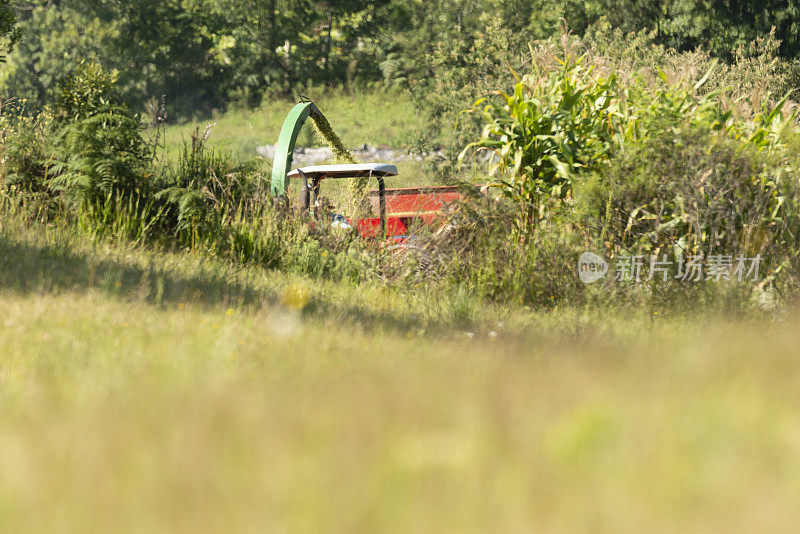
x: 350, y: 170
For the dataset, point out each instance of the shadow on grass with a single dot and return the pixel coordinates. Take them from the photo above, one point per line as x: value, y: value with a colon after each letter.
x: 41, y: 268
x: 38, y: 268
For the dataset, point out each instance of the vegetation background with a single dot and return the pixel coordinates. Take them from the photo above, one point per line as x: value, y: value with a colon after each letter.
x: 204, y: 55
x: 178, y: 355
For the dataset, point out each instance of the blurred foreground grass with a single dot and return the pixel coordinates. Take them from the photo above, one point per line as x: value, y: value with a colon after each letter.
x: 149, y: 392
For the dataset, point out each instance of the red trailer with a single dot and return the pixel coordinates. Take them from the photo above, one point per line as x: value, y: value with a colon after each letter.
x: 395, y: 210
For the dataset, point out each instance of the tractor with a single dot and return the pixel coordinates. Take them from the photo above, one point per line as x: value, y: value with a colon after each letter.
x: 394, y: 211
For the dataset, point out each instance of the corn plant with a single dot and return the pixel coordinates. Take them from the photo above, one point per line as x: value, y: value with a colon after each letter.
x: 555, y: 125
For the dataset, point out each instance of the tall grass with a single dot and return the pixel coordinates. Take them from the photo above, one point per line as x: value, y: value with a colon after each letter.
x: 561, y: 137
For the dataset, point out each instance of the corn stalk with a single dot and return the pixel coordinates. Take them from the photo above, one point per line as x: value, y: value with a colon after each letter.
x: 555, y: 125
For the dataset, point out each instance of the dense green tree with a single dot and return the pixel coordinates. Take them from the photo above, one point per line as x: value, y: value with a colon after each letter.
x: 202, y: 55
x: 8, y: 28
x: 52, y: 41
x: 724, y: 25
x: 254, y: 46
x: 282, y: 45
x: 166, y: 47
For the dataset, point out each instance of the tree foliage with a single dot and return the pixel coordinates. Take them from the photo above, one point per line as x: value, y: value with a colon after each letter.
x: 206, y: 54
x: 9, y: 33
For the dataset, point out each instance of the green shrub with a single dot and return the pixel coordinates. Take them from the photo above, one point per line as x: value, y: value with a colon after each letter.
x: 695, y: 191
x: 631, y: 164
x: 204, y: 189
x: 99, y: 154
x: 27, y: 140
x: 556, y: 125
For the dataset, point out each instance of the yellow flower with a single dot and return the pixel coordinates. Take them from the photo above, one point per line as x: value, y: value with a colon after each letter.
x: 295, y: 297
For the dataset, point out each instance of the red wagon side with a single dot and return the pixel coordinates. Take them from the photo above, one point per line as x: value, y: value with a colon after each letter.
x: 397, y: 210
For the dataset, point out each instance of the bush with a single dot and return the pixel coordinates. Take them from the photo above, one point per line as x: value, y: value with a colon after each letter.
x: 26, y: 144
x: 638, y: 167
x: 541, y: 274
x: 99, y: 154
x: 695, y: 192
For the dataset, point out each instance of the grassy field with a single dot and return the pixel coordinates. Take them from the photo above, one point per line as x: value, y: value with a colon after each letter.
x: 377, y: 118
x: 373, y: 117
x: 142, y: 391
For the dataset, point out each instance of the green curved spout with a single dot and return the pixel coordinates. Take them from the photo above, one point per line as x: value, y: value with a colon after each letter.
x: 282, y: 163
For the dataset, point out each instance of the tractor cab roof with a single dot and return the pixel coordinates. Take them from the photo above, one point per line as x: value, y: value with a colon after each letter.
x: 354, y: 170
